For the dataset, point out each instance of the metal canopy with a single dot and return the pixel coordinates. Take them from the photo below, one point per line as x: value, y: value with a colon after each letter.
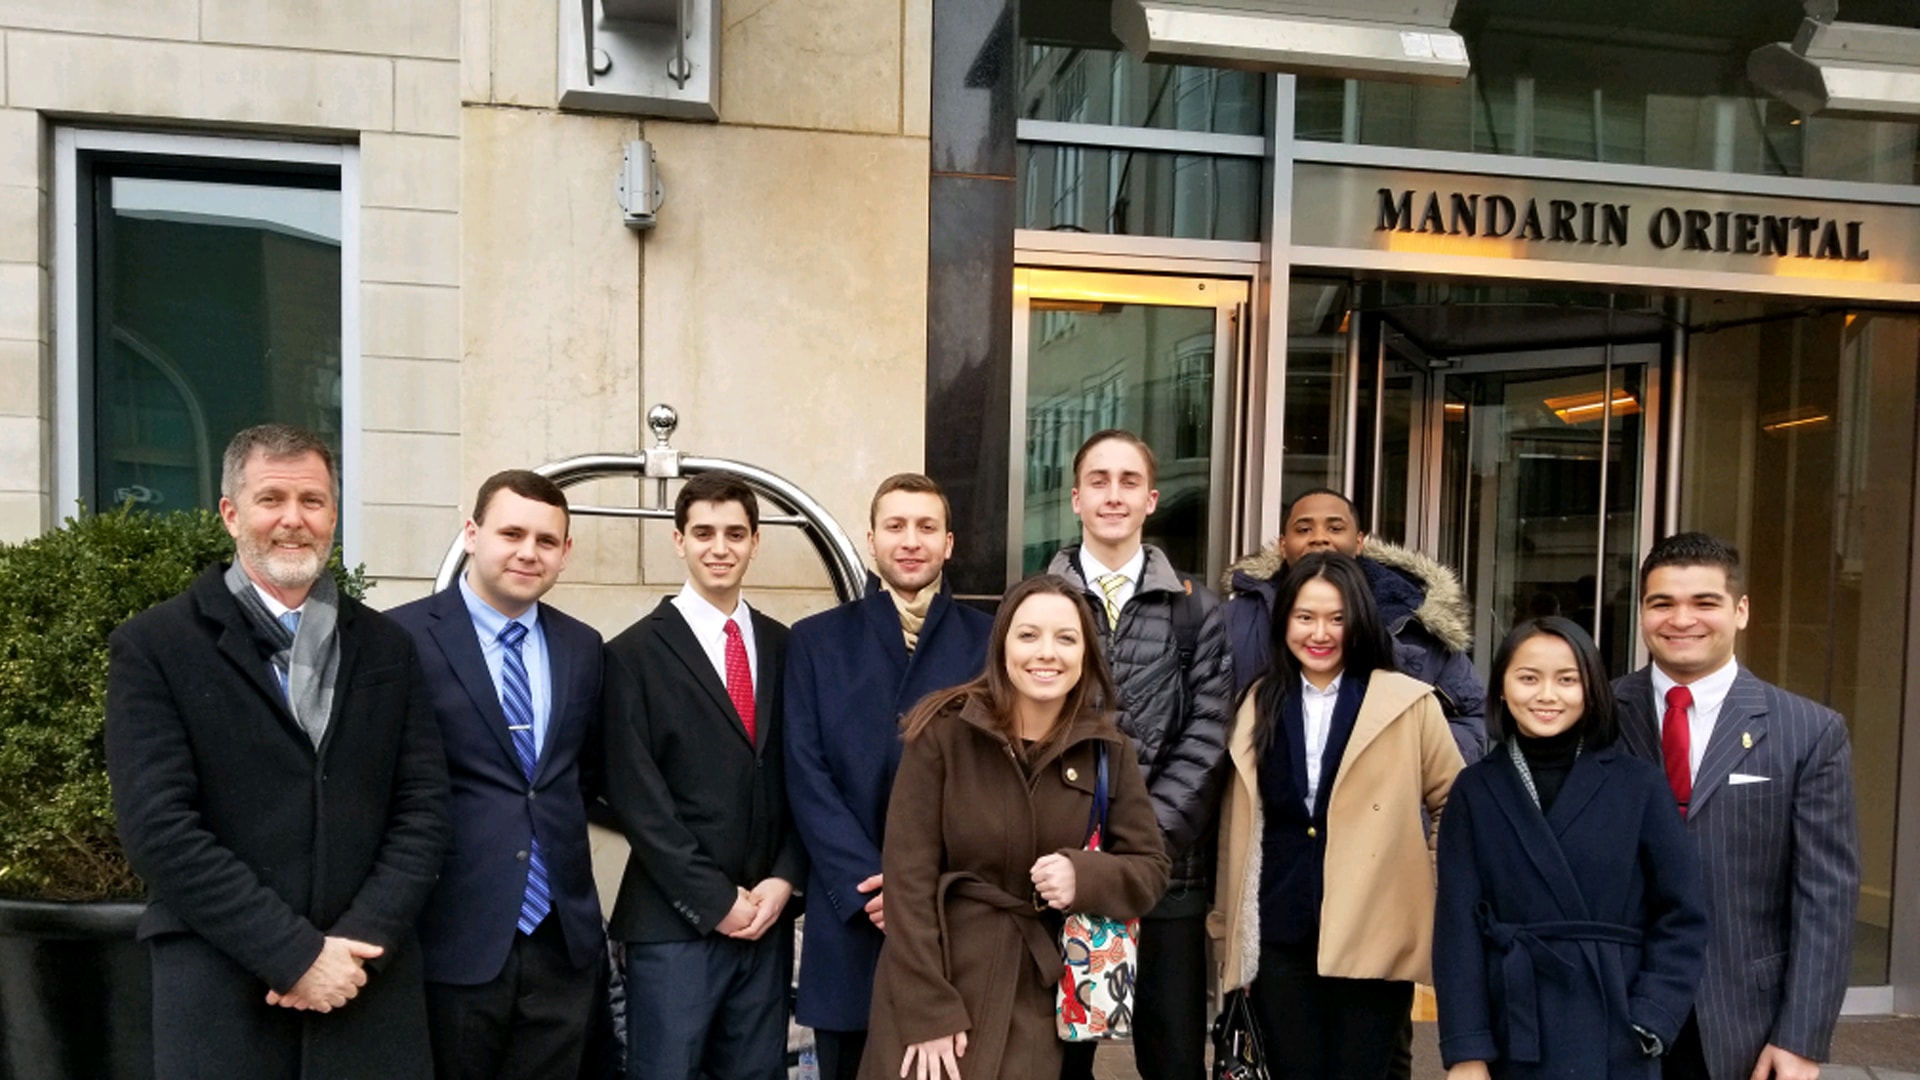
x: 1843, y: 69
x: 663, y: 463
x: 1382, y: 40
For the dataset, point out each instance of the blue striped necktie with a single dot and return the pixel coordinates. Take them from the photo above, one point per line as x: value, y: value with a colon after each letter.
x: 516, y: 700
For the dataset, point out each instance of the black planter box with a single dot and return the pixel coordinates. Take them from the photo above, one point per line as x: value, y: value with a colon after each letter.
x: 76, y: 992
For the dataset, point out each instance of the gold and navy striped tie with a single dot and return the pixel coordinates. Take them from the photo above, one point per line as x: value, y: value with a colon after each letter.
x: 1110, y: 586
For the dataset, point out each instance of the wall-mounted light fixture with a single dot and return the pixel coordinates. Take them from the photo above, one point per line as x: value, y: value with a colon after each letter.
x: 638, y: 187
x: 641, y: 57
x: 1832, y: 68
x: 1387, y: 40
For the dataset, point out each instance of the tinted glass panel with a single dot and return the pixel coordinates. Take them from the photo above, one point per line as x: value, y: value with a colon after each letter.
x: 1138, y: 193
x: 1800, y: 450
x: 216, y: 307
x: 1143, y: 367
x: 1091, y: 86
x: 1583, y: 80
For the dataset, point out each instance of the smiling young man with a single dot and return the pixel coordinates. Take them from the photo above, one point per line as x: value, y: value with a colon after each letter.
x: 280, y: 788
x: 1166, y: 642
x: 1764, y: 780
x: 696, y: 782
x: 852, y: 672
x: 512, y: 933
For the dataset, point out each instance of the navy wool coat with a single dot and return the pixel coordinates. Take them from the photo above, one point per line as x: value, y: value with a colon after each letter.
x: 1557, y: 934
x: 849, y: 682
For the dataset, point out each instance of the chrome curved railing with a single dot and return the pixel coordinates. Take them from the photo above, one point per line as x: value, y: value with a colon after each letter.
x: 662, y: 463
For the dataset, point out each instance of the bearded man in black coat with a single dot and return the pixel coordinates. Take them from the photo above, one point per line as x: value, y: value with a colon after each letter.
x: 280, y: 786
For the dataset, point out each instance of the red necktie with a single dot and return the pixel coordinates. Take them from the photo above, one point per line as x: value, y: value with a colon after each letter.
x: 739, y: 676
x: 1676, y: 745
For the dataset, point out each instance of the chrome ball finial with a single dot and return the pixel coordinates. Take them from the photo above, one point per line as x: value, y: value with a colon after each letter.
x: 663, y: 420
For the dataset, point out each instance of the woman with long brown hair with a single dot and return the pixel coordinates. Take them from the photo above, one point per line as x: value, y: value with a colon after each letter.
x: 984, y: 849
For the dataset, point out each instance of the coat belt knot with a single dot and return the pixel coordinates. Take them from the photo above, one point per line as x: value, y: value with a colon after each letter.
x: 1524, y: 945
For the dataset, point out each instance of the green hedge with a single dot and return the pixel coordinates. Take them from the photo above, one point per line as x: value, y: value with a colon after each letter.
x: 61, y: 594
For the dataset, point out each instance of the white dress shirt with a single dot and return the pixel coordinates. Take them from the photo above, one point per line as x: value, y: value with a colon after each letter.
x: 1316, y: 710
x: 709, y: 626
x: 274, y: 606
x: 1709, y: 693
x: 1093, y: 570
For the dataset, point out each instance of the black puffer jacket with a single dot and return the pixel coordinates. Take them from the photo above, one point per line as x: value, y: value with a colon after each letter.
x: 1176, y: 715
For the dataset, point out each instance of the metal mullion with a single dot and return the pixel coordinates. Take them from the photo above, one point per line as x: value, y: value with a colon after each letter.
x: 1158, y: 140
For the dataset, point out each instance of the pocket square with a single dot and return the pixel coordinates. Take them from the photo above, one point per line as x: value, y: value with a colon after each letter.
x: 1744, y: 778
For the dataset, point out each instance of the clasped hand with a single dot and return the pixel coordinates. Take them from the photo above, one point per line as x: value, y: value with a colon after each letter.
x: 754, y: 910
x: 334, y: 978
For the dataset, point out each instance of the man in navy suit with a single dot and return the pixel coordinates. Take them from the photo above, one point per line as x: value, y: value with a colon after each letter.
x: 512, y: 933
x: 852, y: 673
x: 696, y: 782
x: 1764, y: 779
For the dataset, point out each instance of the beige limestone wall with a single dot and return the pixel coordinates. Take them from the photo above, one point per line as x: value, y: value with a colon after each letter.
x: 508, y: 317
x: 380, y: 74
x: 26, y: 380
x: 780, y: 305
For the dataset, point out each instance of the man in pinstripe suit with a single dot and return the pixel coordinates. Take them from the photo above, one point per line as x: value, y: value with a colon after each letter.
x: 1764, y: 779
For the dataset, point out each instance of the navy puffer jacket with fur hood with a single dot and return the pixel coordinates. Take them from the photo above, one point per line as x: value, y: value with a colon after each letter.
x: 1423, y: 605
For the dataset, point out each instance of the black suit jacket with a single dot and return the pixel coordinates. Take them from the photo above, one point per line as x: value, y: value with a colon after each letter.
x: 1773, y: 818
x: 470, y: 921
x: 704, y: 809
x: 256, y: 845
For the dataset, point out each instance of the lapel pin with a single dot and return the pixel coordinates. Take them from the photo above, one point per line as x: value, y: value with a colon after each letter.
x: 1746, y: 740
x: 1073, y: 773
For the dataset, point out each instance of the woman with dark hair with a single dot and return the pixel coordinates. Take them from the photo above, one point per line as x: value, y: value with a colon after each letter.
x: 1571, y: 926
x: 984, y: 849
x: 1326, y: 882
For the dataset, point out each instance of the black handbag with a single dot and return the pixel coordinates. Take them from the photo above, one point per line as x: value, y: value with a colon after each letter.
x: 1237, y: 1054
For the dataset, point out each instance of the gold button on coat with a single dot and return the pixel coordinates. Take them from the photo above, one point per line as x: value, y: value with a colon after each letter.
x: 1073, y: 773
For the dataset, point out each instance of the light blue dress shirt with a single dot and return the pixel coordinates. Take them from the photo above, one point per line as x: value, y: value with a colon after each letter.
x: 533, y: 652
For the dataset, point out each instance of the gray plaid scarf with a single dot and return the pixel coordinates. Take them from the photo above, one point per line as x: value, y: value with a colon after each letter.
x: 310, y: 659
x: 1526, y: 774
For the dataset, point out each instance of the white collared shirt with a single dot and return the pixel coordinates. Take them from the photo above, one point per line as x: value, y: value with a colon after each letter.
x: 274, y: 606
x: 487, y: 624
x: 1316, y: 710
x: 709, y: 626
x: 1709, y: 693
x: 1093, y: 570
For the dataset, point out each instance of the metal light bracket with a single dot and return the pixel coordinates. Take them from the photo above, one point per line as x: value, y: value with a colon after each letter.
x: 641, y: 57
x: 1860, y: 70
x: 1383, y: 40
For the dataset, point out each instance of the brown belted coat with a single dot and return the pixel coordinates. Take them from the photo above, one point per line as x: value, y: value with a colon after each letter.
x: 967, y: 949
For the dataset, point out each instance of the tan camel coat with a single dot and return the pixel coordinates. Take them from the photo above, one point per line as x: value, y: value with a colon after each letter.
x: 1376, y: 916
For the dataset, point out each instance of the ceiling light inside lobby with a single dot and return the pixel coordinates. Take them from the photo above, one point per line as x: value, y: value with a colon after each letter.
x: 1384, y: 40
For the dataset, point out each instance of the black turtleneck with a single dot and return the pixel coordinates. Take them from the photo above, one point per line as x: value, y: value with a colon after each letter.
x: 1549, y: 760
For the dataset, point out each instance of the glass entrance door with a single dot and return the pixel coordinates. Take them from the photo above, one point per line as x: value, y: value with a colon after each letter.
x: 1154, y: 354
x: 1525, y: 472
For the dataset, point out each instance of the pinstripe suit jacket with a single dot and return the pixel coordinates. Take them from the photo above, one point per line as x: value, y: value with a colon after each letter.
x: 1782, y: 863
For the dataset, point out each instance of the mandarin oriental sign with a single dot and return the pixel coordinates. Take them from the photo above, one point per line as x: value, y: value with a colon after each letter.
x: 1510, y: 226
x: 1566, y: 221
